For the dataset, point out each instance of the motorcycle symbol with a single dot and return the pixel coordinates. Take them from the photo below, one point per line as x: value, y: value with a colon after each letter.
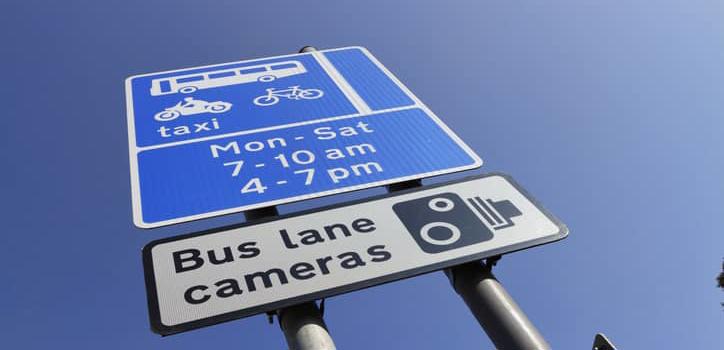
x: 189, y: 106
x: 293, y: 93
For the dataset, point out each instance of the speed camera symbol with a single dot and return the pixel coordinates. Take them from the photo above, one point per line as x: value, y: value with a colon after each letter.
x: 441, y: 222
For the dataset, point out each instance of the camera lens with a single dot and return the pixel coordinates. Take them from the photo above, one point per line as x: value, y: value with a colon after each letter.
x: 454, y: 233
x: 441, y: 204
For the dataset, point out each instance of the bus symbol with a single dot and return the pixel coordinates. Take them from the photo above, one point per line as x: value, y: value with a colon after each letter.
x: 189, y: 83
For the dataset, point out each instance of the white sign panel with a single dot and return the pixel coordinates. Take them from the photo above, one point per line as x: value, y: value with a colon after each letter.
x: 211, y: 277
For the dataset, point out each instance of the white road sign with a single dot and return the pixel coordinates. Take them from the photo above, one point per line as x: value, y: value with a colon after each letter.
x: 210, y: 277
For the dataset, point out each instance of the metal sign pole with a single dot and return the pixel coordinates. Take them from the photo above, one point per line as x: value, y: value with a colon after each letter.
x: 303, y: 325
x: 304, y: 328
x: 503, y: 321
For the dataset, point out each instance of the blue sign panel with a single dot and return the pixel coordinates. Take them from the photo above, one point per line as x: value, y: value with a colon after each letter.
x: 231, y: 137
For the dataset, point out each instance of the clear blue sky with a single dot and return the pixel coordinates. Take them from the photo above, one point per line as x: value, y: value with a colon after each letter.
x: 611, y: 114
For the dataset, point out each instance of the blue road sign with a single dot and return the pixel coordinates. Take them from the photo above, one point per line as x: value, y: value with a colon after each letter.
x: 230, y: 137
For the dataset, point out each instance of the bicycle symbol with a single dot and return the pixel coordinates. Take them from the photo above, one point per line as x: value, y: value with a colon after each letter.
x: 272, y: 96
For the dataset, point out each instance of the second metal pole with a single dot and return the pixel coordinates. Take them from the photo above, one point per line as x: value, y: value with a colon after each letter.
x: 503, y: 321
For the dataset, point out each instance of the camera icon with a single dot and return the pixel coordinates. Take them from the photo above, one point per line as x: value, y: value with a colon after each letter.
x: 445, y: 221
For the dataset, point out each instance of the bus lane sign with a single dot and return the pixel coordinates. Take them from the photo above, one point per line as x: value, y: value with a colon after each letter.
x: 231, y: 137
x: 224, y: 274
